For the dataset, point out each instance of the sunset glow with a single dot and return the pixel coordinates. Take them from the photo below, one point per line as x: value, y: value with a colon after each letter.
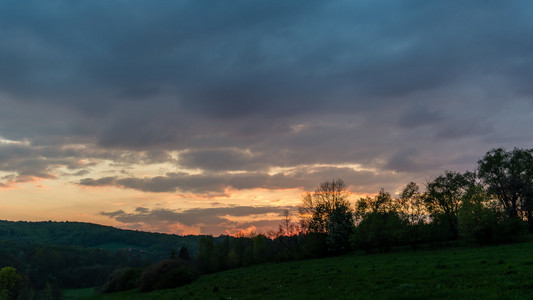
x: 161, y: 117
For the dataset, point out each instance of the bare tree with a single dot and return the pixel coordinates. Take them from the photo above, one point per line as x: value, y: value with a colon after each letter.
x: 316, y: 208
x: 327, y: 212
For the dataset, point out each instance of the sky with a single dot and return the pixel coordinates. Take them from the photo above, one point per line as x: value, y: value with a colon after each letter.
x: 212, y: 117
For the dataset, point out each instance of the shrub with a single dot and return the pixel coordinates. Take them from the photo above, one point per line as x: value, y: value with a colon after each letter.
x: 510, y: 230
x: 315, y: 245
x: 487, y: 224
x: 9, y: 281
x: 379, y: 231
x: 122, y: 280
x: 166, y: 274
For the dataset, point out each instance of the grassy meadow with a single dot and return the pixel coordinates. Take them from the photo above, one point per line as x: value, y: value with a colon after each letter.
x: 492, y: 272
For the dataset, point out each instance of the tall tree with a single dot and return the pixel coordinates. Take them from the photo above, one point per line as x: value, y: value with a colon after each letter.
x: 412, y: 204
x: 508, y: 176
x: 317, y: 207
x: 287, y: 227
x: 379, y: 223
x: 413, y: 212
x: 444, y: 195
x: 328, y: 212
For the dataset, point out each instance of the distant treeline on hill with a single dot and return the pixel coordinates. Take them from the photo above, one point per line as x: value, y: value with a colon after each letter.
x: 53, y: 255
x: 90, y: 235
x: 493, y: 204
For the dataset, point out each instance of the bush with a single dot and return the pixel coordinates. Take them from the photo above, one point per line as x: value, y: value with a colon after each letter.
x: 340, y: 227
x: 441, y: 228
x: 510, y: 230
x: 489, y: 225
x: 9, y: 282
x: 166, y: 274
x: 122, y: 280
x: 315, y: 245
x: 379, y: 231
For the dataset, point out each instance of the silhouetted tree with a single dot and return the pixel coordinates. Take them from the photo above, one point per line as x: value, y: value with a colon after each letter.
x: 327, y: 212
x: 379, y: 223
x: 478, y: 219
x: 206, y: 259
x: 413, y: 213
x: 381, y: 203
x: 166, y: 274
x: 260, y: 248
x: 508, y: 176
x: 287, y: 227
x: 340, y: 227
x: 184, y: 254
x: 443, y: 197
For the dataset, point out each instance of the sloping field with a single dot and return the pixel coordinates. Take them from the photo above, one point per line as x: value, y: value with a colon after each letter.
x: 495, y: 272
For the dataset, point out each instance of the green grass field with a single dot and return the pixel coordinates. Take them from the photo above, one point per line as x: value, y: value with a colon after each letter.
x: 77, y: 293
x: 494, y: 272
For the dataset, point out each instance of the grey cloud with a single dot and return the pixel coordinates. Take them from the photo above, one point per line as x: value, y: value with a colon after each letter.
x: 409, y: 160
x: 307, y: 178
x: 27, y: 160
x: 419, y: 115
x: 252, y: 59
x: 210, y: 220
x: 23, y: 162
x: 464, y: 128
x: 98, y: 182
x: 113, y: 214
x: 245, y: 86
x: 221, y: 160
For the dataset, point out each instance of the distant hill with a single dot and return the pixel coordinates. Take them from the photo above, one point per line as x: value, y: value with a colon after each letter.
x: 93, y: 235
x: 80, y: 255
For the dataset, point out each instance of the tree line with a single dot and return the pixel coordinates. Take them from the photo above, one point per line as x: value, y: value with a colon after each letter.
x: 50, y: 256
x: 492, y: 204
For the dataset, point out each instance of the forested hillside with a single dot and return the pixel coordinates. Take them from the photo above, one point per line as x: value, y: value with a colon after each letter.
x: 91, y: 235
x: 54, y: 255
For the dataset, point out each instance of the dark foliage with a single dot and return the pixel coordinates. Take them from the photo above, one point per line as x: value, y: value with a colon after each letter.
x: 340, y: 227
x: 166, y: 274
x: 327, y: 211
x: 508, y: 176
x: 490, y: 209
x: 184, y: 254
x: 93, y: 235
x: 314, y: 245
x: 122, y: 280
x: 379, y: 231
x: 40, y: 251
x: 443, y: 198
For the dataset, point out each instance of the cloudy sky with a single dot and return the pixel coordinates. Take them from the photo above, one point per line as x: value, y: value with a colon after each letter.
x: 215, y: 116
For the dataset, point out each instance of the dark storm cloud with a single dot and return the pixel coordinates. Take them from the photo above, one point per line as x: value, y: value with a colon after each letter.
x: 221, y: 160
x: 245, y: 86
x: 404, y: 161
x: 240, y: 58
x: 419, y: 115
